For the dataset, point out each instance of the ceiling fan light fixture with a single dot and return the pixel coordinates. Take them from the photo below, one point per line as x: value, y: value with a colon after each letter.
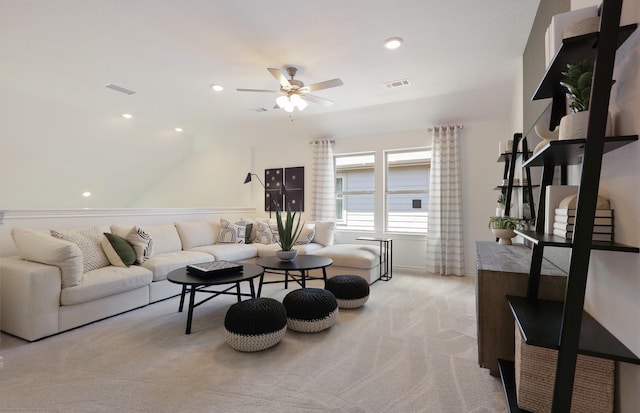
x: 302, y: 104
x: 217, y: 88
x: 289, y: 108
x: 282, y: 101
x: 393, y: 43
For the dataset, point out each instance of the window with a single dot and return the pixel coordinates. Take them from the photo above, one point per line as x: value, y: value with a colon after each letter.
x: 355, y: 190
x: 407, y: 190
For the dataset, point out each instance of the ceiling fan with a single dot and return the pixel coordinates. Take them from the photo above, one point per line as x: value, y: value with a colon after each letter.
x: 295, y: 93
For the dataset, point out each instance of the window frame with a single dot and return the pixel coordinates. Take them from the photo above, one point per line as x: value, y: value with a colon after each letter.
x: 387, y: 192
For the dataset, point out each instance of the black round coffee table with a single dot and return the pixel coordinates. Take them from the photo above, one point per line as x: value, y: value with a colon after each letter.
x: 301, y: 263
x: 200, y: 283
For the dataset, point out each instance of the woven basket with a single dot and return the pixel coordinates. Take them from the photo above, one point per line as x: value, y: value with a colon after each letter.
x: 593, y: 386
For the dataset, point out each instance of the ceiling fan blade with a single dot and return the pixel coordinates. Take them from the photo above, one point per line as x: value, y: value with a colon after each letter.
x: 324, y: 85
x: 279, y: 77
x: 316, y: 99
x: 258, y: 90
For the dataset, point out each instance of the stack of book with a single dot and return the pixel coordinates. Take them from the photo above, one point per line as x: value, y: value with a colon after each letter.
x: 602, y: 224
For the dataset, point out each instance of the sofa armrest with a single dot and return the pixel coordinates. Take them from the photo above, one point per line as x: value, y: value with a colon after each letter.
x: 30, y: 298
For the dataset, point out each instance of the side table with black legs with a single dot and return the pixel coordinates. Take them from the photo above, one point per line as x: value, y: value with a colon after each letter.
x: 302, y: 264
x: 386, y: 256
x: 192, y: 283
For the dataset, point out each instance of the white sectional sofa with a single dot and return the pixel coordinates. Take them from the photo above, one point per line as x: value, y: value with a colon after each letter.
x: 56, y: 284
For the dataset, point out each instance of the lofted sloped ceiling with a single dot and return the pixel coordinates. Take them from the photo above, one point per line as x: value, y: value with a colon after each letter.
x: 57, y: 55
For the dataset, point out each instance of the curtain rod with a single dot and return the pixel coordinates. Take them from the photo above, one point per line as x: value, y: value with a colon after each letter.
x: 459, y: 126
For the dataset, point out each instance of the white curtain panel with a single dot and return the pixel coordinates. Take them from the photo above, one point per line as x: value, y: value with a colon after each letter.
x: 323, y: 182
x: 445, y: 251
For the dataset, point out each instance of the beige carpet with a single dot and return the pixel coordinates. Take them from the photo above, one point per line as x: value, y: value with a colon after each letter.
x: 411, y: 348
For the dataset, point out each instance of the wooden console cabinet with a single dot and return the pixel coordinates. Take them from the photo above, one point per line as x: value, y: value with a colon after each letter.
x: 504, y: 270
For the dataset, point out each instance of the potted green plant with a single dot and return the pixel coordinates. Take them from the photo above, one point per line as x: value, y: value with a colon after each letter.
x: 503, y: 228
x: 577, y: 80
x: 288, y: 231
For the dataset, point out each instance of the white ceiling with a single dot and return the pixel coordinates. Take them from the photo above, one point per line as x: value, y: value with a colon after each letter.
x: 170, y: 51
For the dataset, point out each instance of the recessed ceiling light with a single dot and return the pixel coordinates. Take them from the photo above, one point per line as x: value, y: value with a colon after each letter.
x: 86, y: 194
x: 393, y: 42
x: 217, y: 88
x: 178, y: 129
x: 127, y: 116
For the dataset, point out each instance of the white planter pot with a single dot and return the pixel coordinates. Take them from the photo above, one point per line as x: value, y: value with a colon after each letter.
x: 505, y: 235
x: 574, y: 126
x: 286, y: 255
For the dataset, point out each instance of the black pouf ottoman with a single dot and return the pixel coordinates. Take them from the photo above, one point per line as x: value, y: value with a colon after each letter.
x: 255, y: 324
x: 350, y: 291
x: 310, y: 310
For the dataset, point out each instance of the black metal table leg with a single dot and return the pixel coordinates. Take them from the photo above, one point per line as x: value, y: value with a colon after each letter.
x: 192, y: 299
x: 260, y: 285
x: 184, y: 290
x: 253, y: 290
x: 238, y: 291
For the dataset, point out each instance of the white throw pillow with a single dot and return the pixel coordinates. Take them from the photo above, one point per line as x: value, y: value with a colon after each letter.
x: 90, y: 242
x: 307, y: 234
x: 324, y: 232
x: 263, y: 233
x: 231, y: 233
x: 142, y: 244
x: 43, y: 248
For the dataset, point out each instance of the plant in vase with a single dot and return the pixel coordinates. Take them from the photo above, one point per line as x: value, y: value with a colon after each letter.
x: 502, y: 199
x: 287, y: 234
x: 503, y: 228
x: 577, y: 81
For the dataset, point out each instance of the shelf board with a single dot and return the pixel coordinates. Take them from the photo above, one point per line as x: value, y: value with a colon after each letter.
x: 573, y: 50
x: 540, y: 322
x: 506, y: 156
x: 514, y: 186
x: 549, y: 240
x: 508, y: 376
x: 569, y: 152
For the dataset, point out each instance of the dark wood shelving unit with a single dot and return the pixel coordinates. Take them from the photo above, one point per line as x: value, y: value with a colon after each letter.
x: 569, y: 152
x: 508, y: 375
x: 508, y: 156
x: 499, y: 187
x: 573, y: 50
x: 509, y: 159
x: 548, y: 240
x: 565, y: 326
x: 540, y: 323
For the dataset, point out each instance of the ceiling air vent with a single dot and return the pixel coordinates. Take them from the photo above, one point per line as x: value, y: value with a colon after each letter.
x: 119, y: 89
x: 397, y: 83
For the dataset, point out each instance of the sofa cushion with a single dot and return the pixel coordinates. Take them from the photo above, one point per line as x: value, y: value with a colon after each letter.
x: 40, y: 246
x: 163, y: 264
x: 118, y: 250
x: 165, y: 238
x: 104, y: 282
x: 231, y: 233
x: 230, y: 252
x: 89, y: 242
x: 197, y: 233
x: 351, y: 255
x: 325, y: 232
x: 142, y: 244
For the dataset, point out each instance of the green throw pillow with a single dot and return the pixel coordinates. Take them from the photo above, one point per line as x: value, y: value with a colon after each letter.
x: 118, y: 250
x: 247, y: 232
